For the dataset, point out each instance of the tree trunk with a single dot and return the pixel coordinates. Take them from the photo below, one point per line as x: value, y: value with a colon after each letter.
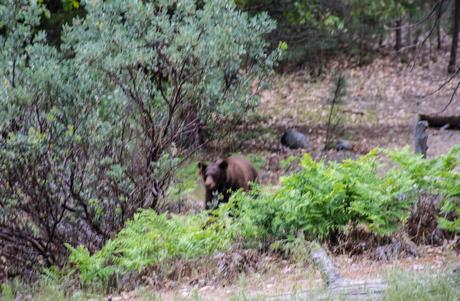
x: 421, y: 137
x: 409, y: 34
x: 381, y: 38
x: 438, y: 35
x: 453, y: 52
x: 398, y: 35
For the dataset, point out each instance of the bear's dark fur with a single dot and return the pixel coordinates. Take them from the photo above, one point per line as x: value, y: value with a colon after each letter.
x: 225, y: 176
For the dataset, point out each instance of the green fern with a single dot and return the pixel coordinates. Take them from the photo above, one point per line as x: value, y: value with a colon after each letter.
x: 317, y: 202
x: 147, y: 240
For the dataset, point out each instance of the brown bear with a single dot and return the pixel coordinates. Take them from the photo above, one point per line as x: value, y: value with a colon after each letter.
x: 225, y: 176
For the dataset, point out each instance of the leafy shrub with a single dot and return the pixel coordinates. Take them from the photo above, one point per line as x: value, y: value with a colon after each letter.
x: 323, y: 199
x: 6, y: 292
x: 289, y: 162
x: 318, y: 30
x: 437, y: 176
x: 320, y: 200
x: 94, y: 130
x: 316, y: 203
x: 149, y: 239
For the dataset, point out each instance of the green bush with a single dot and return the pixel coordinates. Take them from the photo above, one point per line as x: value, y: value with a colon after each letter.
x: 316, y: 203
x: 150, y: 239
x: 318, y: 30
x: 436, y: 176
x: 289, y: 162
x: 92, y: 131
x: 322, y: 199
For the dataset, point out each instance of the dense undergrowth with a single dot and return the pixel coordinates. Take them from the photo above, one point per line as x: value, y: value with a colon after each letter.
x: 150, y: 239
x: 112, y: 123
x: 375, y: 192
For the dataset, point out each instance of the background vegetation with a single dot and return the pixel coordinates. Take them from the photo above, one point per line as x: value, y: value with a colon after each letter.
x: 104, y: 105
x: 320, y: 202
x: 93, y: 129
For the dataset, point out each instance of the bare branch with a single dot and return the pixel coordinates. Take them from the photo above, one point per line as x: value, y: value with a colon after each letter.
x: 430, y: 33
x: 442, y: 85
x: 451, y: 98
x: 419, y: 22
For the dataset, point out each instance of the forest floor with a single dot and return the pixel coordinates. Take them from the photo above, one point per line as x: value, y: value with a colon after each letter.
x: 380, y: 106
x: 379, y: 109
x: 279, y: 277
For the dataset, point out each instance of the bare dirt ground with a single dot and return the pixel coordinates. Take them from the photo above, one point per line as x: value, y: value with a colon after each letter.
x: 283, y: 277
x: 380, y: 109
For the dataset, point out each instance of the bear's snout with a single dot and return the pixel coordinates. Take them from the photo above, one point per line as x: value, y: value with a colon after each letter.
x: 209, y: 183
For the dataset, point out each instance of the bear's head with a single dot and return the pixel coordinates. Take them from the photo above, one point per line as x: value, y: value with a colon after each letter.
x: 214, y: 175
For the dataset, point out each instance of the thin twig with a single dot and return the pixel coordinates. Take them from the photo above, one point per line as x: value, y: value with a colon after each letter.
x: 442, y: 85
x: 436, y: 23
x: 451, y: 98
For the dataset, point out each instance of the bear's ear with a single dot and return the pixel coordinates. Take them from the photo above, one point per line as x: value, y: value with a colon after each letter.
x: 202, y: 166
x: 223, y: 164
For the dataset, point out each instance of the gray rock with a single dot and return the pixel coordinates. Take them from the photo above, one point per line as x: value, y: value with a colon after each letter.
x: 292, y: 138
x: 343, y: 144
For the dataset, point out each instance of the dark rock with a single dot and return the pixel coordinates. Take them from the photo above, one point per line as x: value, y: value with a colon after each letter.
x: 292, y: 138
x: 456, y: 270
x: 343, y: 144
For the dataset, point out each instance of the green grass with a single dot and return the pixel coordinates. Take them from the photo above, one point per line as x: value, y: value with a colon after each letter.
x: 403, y: 285
x: 46, y: 289
x: 185, y: 181
x: 427, y: 286
x: 245, y: 296
x: 289, y: 161
x: 147, y: 294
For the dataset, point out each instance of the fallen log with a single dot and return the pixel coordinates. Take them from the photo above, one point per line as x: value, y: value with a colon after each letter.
x: 437, y: 121
x: 338, y: 288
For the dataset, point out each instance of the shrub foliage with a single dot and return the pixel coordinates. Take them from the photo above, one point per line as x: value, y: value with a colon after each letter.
x: 92, y: 131
x: 316, y: 203
x: 149, y: 239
